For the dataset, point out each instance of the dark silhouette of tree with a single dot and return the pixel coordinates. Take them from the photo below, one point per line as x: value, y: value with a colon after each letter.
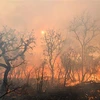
x: 13, y: 46
x: 40, y: 76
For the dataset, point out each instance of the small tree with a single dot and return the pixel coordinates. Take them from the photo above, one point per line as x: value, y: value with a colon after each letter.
x: 70, y: 60
x: 53, y: 46
x: 40, y: 76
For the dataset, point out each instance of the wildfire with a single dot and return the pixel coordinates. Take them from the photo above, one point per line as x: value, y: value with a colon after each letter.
x: 36, y: 73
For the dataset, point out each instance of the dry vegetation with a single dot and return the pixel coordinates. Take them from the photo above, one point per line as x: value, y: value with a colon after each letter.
x: 67, y: 71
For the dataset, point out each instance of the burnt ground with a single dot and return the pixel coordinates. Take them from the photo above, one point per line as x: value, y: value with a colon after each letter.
x: 84, y: 91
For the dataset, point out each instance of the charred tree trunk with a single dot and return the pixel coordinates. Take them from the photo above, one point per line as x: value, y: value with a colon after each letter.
x: 65, y: 79
x: 42, y: 80
x: 5, y: 80
x: 52, y: 77
x: 59, y: 74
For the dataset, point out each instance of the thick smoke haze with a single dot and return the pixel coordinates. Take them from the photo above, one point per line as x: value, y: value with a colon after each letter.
x: 43, y: 14
x: 49, y: 49
x: 25, y: 15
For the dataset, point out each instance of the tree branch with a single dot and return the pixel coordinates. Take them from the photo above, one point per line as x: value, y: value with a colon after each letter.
x: 3, y: 65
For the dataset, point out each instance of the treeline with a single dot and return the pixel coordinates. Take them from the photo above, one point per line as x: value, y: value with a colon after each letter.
x: 65, y: 60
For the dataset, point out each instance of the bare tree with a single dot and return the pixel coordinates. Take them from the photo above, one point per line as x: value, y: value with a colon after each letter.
x: 60, y: 72
x: 85, y: 30
x: 53, y: 45
x: 27, y: 74
x: 69, y: 60
x: 40, y: 76
x: 13, y: 46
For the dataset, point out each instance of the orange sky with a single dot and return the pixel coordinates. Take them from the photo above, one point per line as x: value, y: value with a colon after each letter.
x: 43, y: 14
